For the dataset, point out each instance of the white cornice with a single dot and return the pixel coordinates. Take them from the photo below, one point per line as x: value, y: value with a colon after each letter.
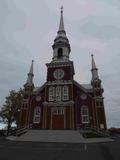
x: 68, y: 103
x: 59, y: 82
x: 59, y: 64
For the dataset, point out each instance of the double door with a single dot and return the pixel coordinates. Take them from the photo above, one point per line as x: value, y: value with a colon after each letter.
x: 57, y: 118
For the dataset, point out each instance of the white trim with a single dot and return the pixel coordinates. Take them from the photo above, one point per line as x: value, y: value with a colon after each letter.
x: 59, y: 82
x: 66, y: 104
x: 59, y: 64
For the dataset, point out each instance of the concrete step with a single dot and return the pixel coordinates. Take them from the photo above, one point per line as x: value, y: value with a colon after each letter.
x: 51, y: 136
x: 57, y: 136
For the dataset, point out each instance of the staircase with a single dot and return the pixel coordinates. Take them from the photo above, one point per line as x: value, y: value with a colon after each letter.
x: 66, y: 136
x: 98, y: 132
x: 21, y: 131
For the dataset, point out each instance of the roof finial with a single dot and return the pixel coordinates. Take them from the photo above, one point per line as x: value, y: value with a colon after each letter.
x: 92, y: 55
x: 61, y: 9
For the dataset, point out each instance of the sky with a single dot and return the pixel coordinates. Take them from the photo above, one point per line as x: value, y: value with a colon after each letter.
x: 28, y: 29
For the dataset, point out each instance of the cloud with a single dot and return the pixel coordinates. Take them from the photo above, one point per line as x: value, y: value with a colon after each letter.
x: 77, y: 10
x: 100, y: 31
x: 27, y: 31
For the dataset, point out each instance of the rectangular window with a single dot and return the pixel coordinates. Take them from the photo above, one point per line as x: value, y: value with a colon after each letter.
x: 58, y: 93
x: 37, y: 113
x: 65, y: 93
x: 51, y: 93
x: 84, y: 114
x: 101, y: 126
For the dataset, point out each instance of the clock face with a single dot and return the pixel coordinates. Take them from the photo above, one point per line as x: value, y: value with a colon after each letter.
x: 83, y: 96
x: 58, y: 74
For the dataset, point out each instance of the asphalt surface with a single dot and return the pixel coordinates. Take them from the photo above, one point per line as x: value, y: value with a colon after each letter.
x: 11, y: 150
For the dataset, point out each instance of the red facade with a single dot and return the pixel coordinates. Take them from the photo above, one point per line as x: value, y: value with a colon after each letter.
x: 62, y: 103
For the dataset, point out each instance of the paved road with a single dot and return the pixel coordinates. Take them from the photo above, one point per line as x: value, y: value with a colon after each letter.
x: 52, y: 151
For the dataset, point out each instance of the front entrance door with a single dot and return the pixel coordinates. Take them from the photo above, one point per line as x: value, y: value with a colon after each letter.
x: 57, y: 118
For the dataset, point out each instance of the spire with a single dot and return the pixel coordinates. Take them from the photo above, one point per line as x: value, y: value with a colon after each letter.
x: 29, y: 82
x: 61, y: 25
x: 93, y: 62
x: 94, y: 69
x: 30, y: 74
x: 95, y: 82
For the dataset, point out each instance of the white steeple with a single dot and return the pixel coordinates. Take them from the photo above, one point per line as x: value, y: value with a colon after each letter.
x: 61, y: 46
x: 94, y: 70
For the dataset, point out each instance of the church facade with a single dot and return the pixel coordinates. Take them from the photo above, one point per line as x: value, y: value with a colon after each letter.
x: 61, y: 103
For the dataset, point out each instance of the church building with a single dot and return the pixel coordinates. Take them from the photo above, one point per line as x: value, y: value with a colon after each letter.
x: 61, y: 103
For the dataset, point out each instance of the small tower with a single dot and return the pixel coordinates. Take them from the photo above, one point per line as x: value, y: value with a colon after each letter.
x: 29, y: 85
x: 98, y: 97
x: 61, y: 46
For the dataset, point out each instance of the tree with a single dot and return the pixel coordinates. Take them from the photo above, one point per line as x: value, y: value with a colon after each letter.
x: 11, y: 108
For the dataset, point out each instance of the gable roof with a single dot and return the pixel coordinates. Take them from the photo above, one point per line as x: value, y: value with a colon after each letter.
x: 84, y: 87
x: 36, y: 90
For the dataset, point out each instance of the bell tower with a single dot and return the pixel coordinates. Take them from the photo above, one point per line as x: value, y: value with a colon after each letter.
x: 98, y: 96
x: 60, y: 68
x: 61, y: 46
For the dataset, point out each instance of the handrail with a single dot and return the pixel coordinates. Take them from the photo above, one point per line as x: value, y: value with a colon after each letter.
x: 20, y: 131
x: 96, y: 130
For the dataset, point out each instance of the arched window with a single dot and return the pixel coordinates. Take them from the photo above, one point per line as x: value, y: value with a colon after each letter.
x: 60, y: 53
x: 84, y: 114
x: 51, y: 93
x: 65, y: 93
x: 37, y: 113
x: 58, y: 93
